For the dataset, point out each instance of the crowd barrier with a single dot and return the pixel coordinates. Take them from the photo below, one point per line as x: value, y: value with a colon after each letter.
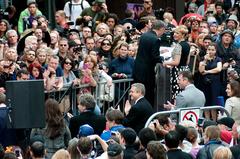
x: 177, y: 112
x: 106, y: 96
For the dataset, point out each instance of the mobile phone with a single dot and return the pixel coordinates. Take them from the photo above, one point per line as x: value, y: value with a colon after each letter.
x: 200, y: 122
x: 85, y: 66
x: 17, y: 152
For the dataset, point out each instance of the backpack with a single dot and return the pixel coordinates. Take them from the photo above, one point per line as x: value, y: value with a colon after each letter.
x: 70, y: 7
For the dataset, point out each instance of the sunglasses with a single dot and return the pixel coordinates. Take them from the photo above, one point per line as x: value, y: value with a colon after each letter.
x: 108, y: 44
x: 68, y: 63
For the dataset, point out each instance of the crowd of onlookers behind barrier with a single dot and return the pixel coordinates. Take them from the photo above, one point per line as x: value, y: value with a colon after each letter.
x: 90, y: 46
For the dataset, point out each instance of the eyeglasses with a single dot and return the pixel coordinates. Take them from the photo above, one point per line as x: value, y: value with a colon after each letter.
x: 108, y: 44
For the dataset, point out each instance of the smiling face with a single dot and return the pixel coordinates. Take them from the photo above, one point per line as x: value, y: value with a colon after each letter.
x: 229, y: 91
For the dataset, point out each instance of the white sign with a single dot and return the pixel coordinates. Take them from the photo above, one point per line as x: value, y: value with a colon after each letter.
x: 190, y: 115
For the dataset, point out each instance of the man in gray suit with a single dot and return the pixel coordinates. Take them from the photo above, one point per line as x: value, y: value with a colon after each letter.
x: 190, y: 96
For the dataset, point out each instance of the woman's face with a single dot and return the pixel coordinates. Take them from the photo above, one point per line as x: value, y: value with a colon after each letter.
x: 89, y: 64
x: 123, y: 51
x: 106, y: 46
x: 229, y: 91
x: 211, y: 51
x: 67, y: 65
x: 177, y: 35
x: 35, y: 72
x: 42, y: 57
x: 3, y: 27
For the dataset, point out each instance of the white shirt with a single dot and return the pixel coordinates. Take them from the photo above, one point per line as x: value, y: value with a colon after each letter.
x: 76, y: 9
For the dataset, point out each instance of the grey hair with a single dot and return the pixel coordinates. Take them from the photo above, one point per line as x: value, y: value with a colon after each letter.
x: 29, y: 39
x: 11, y: 31
x: 158, y: 24
x: 139, y: 87
x: 88, y: 101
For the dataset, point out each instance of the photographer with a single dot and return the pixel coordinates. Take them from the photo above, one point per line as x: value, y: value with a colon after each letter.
x: 93, y: 15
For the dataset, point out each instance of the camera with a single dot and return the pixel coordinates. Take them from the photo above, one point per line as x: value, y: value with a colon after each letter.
x: 200, y: 122
x: 77, y: 48
x: 3, y: 14
x: 159, y: 13
x: 167, y: 38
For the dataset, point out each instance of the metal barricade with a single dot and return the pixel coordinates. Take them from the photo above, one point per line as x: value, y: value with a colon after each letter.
x: 105, y: 96
x: 220, y: 108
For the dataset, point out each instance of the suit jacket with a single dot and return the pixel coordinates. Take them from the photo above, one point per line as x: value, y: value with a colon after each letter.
x: 147, y: 56
x: 190, y: 97
x: 138, y: 115
x: 97, y: 122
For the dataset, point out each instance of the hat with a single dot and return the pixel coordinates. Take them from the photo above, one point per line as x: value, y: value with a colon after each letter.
x: 229, y: 32
x: 85, y: 130
x: 211, y: 20
x: 99, y: 2
x: 207, y: 123
x: 227, y: 121
x: 35, y: 139
x: 30, y: 2
x: 233, y: 18
x: 114, y: 149
x: 226, y: 136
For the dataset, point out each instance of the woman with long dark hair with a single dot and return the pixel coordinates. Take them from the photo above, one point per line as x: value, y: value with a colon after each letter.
x: 56, y: 134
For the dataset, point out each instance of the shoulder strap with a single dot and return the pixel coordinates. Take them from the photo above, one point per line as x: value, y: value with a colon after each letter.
x: 82, y: 5
x: 70, y: 9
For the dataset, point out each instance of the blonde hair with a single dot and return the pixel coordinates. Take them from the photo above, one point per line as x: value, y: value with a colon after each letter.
x: 182, y: 29
x: 222, y: 153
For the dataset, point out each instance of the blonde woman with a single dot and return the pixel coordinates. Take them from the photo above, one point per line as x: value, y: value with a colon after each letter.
x: 180, y: 57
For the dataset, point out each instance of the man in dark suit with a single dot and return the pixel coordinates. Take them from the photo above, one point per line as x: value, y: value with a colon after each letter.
x: 138, y: 113
x: 86, y: 107
x: 147, y: 56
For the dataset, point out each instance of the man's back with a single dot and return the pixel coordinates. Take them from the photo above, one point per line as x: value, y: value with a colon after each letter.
x: 178, y: 154
x: 190, y: 97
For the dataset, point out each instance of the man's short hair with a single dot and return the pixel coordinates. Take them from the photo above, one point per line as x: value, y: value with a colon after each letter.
x: 129, y: 135
x: 88, y: 101
x: 11, y: 31
x: 156, y: 150
x: 172, y: 139
x: 212, y: 132
x: 38, y: 149
x: 188, y: 75
x: 115, y: 115
x: 182, y: 131
x: 2, y: 98
x: 29, y: 39
x: 158, y: 24
x: 139, y: 88
x: 22, y: 71
x: 146, y: 135
x: 85, y: 145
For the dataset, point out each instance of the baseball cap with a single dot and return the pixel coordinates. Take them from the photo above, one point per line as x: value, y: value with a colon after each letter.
x: 85, y: 130
x: 227, y: 121
x: 114, y: 149
x: 29, y: 2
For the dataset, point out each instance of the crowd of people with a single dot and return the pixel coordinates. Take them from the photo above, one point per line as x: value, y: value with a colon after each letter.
x: 89, y: 46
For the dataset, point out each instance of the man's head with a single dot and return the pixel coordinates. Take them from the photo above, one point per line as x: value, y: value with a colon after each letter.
x: 166, y: 122
x: 172, y: 139
x: 206, y: 41
x: 155, y: 150
x: 32, y: 6
x: 98, y: 4
x: 211, y: 133
x: 137, y: 90
x: 146, y: 135
x: 90, y: 43
x: 63, y: 45
x: 60, y: 17
x: 86, y: 102
x: 227, y: 37
x: 2, y: 98
x: 53, y: 62
x: 114, y: 117
x: 128, y: 136
x: 232, y: 22
x: 159, y: 27
x: 86, y: 32
x: 184, y: 79
x: 37, y: 149
x: 12, y: 37
x: 115, y: 151
x: 147, y: 4
x: 22, y: 75
x: 31, y: 43
x: 39, y: 34
x: 85, y: 145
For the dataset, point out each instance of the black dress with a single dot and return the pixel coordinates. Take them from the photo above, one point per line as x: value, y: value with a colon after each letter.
x: 183, y: 49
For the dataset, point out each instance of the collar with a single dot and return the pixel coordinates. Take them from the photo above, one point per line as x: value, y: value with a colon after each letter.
x: 2, y: 105
x: 190, y: 85
x: 138, y: 99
